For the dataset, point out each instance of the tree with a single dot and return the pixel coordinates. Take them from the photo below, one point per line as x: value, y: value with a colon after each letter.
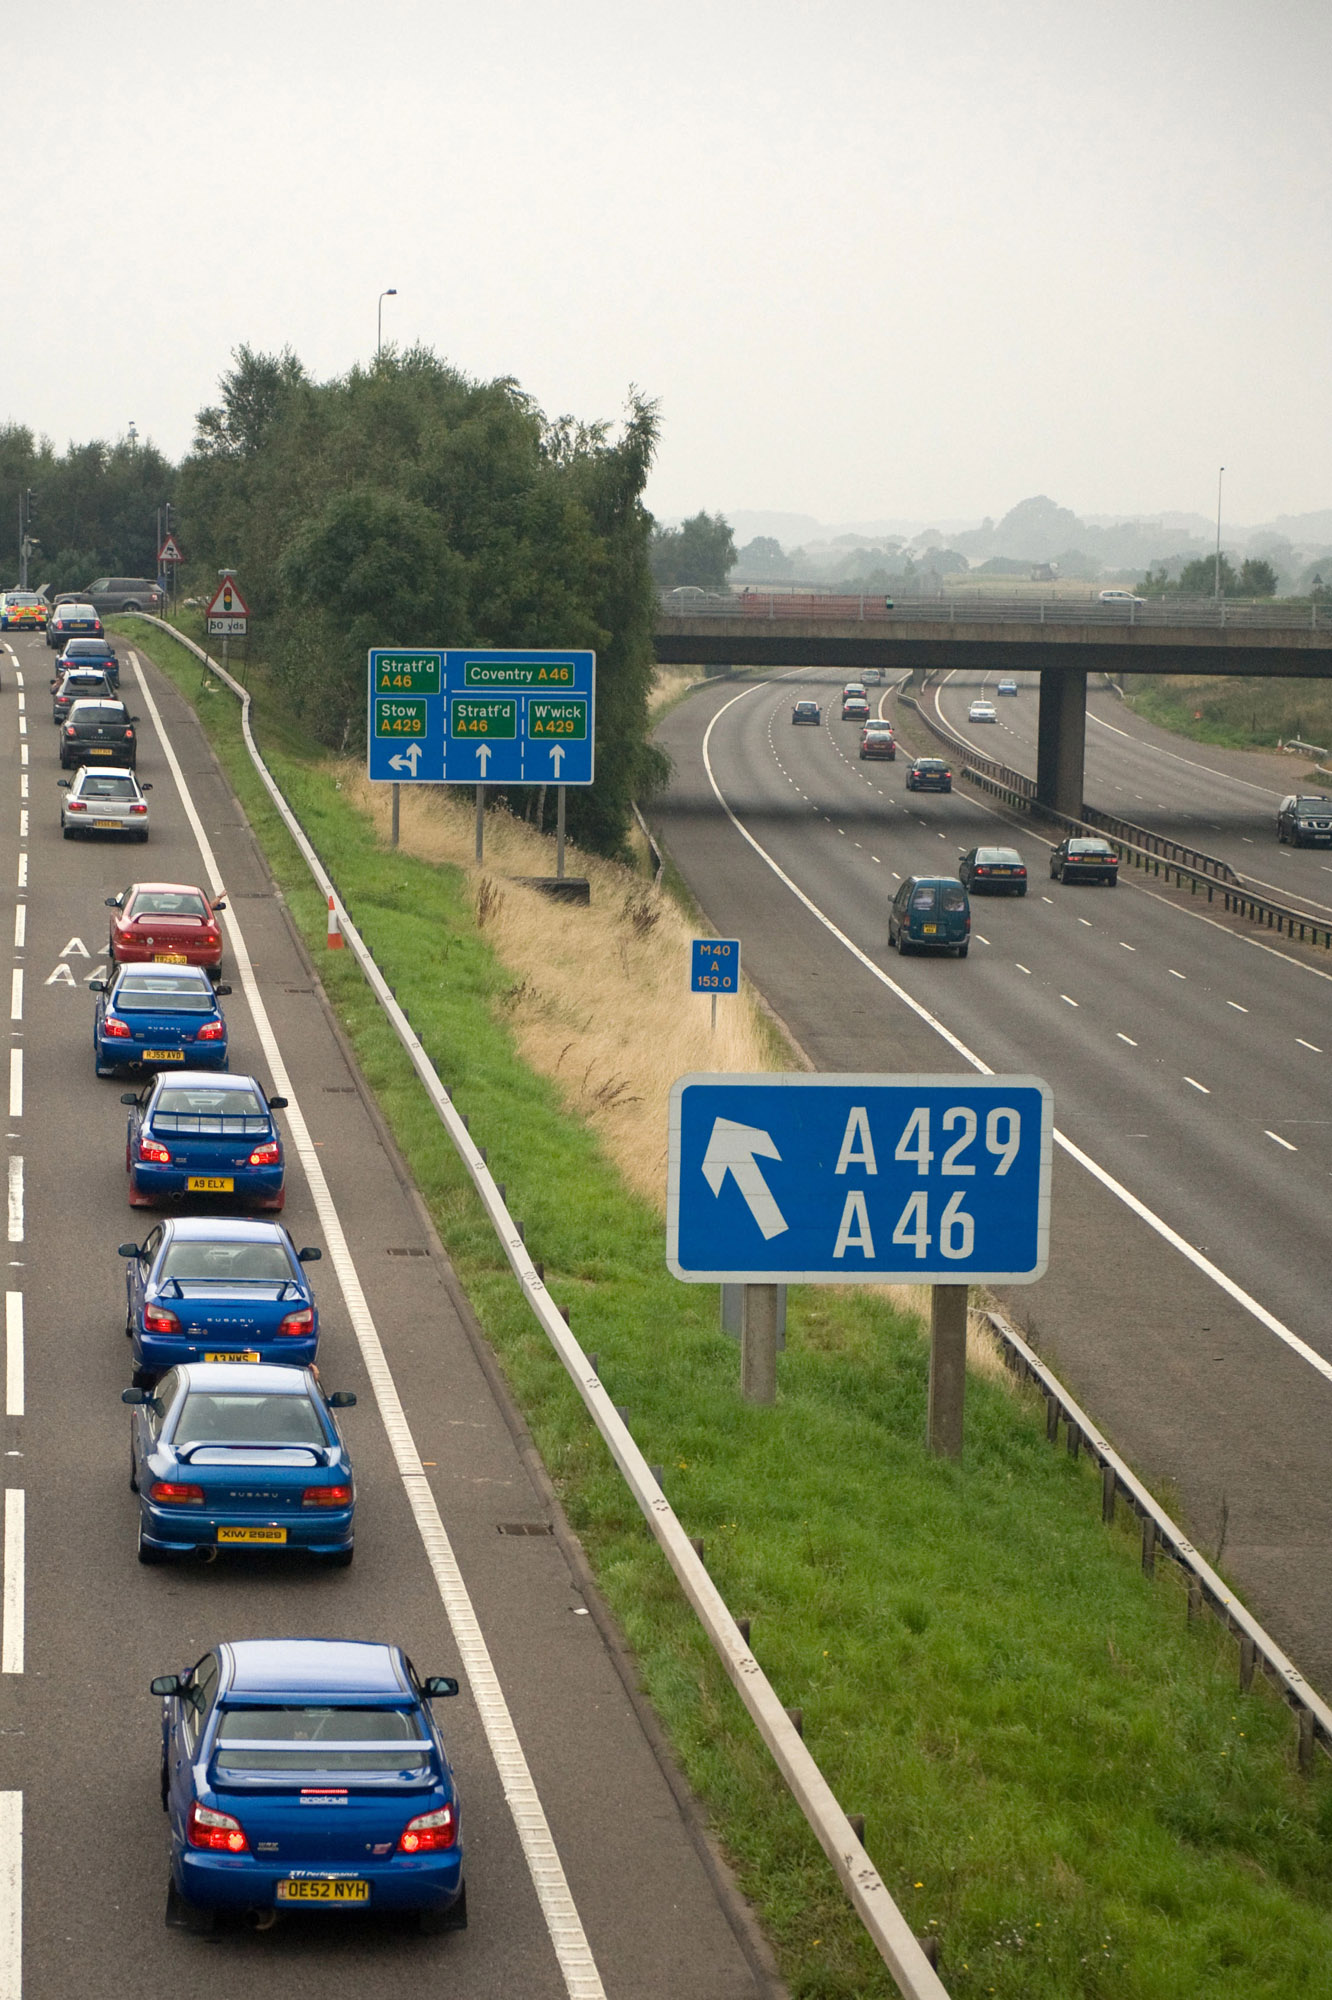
x: 701, y: 551
x: 1199, y: 578
x: 761, y: 559
x: 1257, y: 578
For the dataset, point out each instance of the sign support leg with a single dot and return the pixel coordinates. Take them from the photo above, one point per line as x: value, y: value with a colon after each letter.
x: 226, y: 655
x: 480, y: 824
x: 397, y: 791
x: 758, y: 1345
x: 948, y: 1368
x: 559, y: 833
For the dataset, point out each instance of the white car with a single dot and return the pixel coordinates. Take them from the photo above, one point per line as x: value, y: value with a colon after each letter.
x: 1121, y: 597
x: 982, y: 711
x: 102, y: 800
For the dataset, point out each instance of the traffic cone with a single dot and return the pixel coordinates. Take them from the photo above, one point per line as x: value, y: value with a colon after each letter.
x: 334, y: 933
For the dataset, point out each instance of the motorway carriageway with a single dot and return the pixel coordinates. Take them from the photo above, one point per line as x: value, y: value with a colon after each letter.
x: 1192, y: 1229
x: 586, y: 1874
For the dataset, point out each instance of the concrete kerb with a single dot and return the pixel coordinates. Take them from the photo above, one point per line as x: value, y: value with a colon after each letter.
x: 893, y: 1938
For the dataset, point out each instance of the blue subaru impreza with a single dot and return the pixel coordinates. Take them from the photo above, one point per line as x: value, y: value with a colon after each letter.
x: 309, y: 1774
x: 229, y: 1455
x: 158, y: 1017
x: 200, y: 1288
x: 195, y: 1134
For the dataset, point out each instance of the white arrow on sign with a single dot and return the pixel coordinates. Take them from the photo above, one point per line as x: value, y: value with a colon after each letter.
x: 557, y: 755
x: 483, y: 756
x: 731, y: 1150
x: 406, y: 760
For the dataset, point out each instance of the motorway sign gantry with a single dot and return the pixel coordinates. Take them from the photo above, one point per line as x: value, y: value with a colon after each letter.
x: 464, y: 715
x: 797, y: 1179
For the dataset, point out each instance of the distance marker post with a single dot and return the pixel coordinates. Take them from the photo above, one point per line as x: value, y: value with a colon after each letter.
x: 714, y: 967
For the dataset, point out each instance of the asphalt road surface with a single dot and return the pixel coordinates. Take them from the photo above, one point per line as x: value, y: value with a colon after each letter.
x: 1186, y: 1299
x: 610, y: 1887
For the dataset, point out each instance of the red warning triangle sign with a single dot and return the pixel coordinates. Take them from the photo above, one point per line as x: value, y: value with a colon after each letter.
x: 170, y: 551
x: 228, y: 602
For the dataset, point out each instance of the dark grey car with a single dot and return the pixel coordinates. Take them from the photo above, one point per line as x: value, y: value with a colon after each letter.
x: 116, y: 593
x: 1305, y: 821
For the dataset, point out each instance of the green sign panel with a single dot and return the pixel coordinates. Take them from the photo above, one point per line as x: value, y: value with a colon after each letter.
x: 400, y: 718
x: 519, y: 674
x: 409, y: 673
x: 476, y: 717
x: 565, y: 721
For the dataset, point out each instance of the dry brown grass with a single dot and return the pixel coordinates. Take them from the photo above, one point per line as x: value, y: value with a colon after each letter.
x: 669, y: 683
x: 612, y: 1046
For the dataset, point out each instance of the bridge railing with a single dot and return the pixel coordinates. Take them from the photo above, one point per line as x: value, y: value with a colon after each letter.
x: 973, y: 607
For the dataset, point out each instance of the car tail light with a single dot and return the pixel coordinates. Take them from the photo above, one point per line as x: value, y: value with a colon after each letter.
x: 69, y: 729
x: 154, y: 1150
x: 298, y: 1323
x: 429, y: 1830
x: 206, y: 1828
x: 157, y: 1319
x: 265, y: 1155
x: 129, y: 735
x: 117, y: 1030
x: 138, y: 809
x: 179, y: 1496
x: 326, y: 1496
x: 75, y: 806
x: 211, y: 1031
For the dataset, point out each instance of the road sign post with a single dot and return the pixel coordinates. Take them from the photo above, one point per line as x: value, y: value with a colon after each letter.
x: 797, y: 1179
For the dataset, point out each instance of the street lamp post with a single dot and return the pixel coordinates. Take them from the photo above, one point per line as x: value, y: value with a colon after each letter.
x: 1217, y: 586
x: 391, y: 293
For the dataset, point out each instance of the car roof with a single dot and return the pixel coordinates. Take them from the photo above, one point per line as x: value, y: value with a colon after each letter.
x: 1007, y: 852
x: 164, y: 887
x: 221, y: 1228
x: 265, y: 1379
x: 150, y: 972
x: 105, y: 771
x: 1087, y: 840
x: 283, y: 1668
x: 931, y: 760
x: 210, y: 1079
x: 933, y: 882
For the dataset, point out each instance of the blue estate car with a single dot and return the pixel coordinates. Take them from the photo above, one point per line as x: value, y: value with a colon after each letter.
x: 97, y: 653
x: 309, y: 1774
x: 193, y: 1133
x: 158, y: 1015
x: 225, y: 1454
x: 200, y: 1288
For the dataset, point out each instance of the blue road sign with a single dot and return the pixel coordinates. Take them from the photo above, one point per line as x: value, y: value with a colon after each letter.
x: 462, y: 716
x: 936, y: 1180
x: 714, y: 965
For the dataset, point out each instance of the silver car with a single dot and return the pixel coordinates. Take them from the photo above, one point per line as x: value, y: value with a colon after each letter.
x: 104, y: 801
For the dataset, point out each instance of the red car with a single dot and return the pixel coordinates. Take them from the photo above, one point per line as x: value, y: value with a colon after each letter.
x: 165, y: 923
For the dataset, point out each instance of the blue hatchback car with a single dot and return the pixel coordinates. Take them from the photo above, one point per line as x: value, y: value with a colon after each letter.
x: 192, y: 1133
x: 223, y: 1455
x: 158, y: 1017
x: 309, y: 1774
x: 200, y: 1288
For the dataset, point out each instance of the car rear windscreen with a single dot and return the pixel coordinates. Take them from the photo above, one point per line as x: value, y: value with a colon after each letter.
x: 108, y: 788
x: 227, y: 1263
x: 214, y: 1417
x: 385, y: 1741
x: 163, y: 996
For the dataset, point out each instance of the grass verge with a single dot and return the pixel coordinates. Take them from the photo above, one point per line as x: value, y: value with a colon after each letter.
x: 1242, y: 714
x: 1057, y: 1772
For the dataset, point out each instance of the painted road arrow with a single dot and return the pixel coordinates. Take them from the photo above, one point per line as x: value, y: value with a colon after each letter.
x: 406, y: 760
x: 731, y: 1150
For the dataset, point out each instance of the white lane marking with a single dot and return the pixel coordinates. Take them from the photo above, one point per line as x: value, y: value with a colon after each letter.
x: 1126, y: 1038
x: 23, y: 871
x: 13, y: 1354
x: 1023, y: 968
x: 1176, y: 975
x: 1067, y: 1000
x: 16, y: 994
x: 1047, y: 899
x: 16, y: 1083
x: 1308, y: 1045
x: 1198, y: 1086
x: 568, y: 1938
x: 1281, y: 1142
x: 1127, y: 947
x: 1236, y: 1005
x: 1086, y: 921
x: 16, y: 1198
x: 11, y: 1895
x: 1098, y: 1173
x: 11, y: 1603
x: 20, y: 925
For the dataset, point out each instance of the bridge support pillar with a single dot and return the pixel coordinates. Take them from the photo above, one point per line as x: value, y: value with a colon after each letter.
x: 1061, y: 734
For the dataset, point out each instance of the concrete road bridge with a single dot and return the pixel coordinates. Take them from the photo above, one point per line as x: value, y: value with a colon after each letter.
x: 1062, y: 640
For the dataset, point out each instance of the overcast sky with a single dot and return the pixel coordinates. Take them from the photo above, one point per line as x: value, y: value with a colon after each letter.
x: 875, y: 260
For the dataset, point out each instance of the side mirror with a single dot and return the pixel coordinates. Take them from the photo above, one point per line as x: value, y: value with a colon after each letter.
x: 308, y: 1256
x: 148, y: 787
x: 114, y: 902
x: 275, y: 1103
x: 127, y: 1250
x: 221, y: 990
x: 436, y: 1685
x: 342, y: 1399
x: 129, y: 1097
x: 97, y: 986
x: 220, y: 904
x: 65, y: 784
x: 131, y: 718
x: 136, y: 1396
x: 166, y: 1684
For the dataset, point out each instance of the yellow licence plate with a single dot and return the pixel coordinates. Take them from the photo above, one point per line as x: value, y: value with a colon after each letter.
x: 98, y: 749
x: 323, y: 1892
x: 209, y: 1184
x: 247, y: 1354
x: 928, y: 930
x: 108, y: 825
x: 164, y: 1055
x: 170, y: 958
x: 252, y: 1534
